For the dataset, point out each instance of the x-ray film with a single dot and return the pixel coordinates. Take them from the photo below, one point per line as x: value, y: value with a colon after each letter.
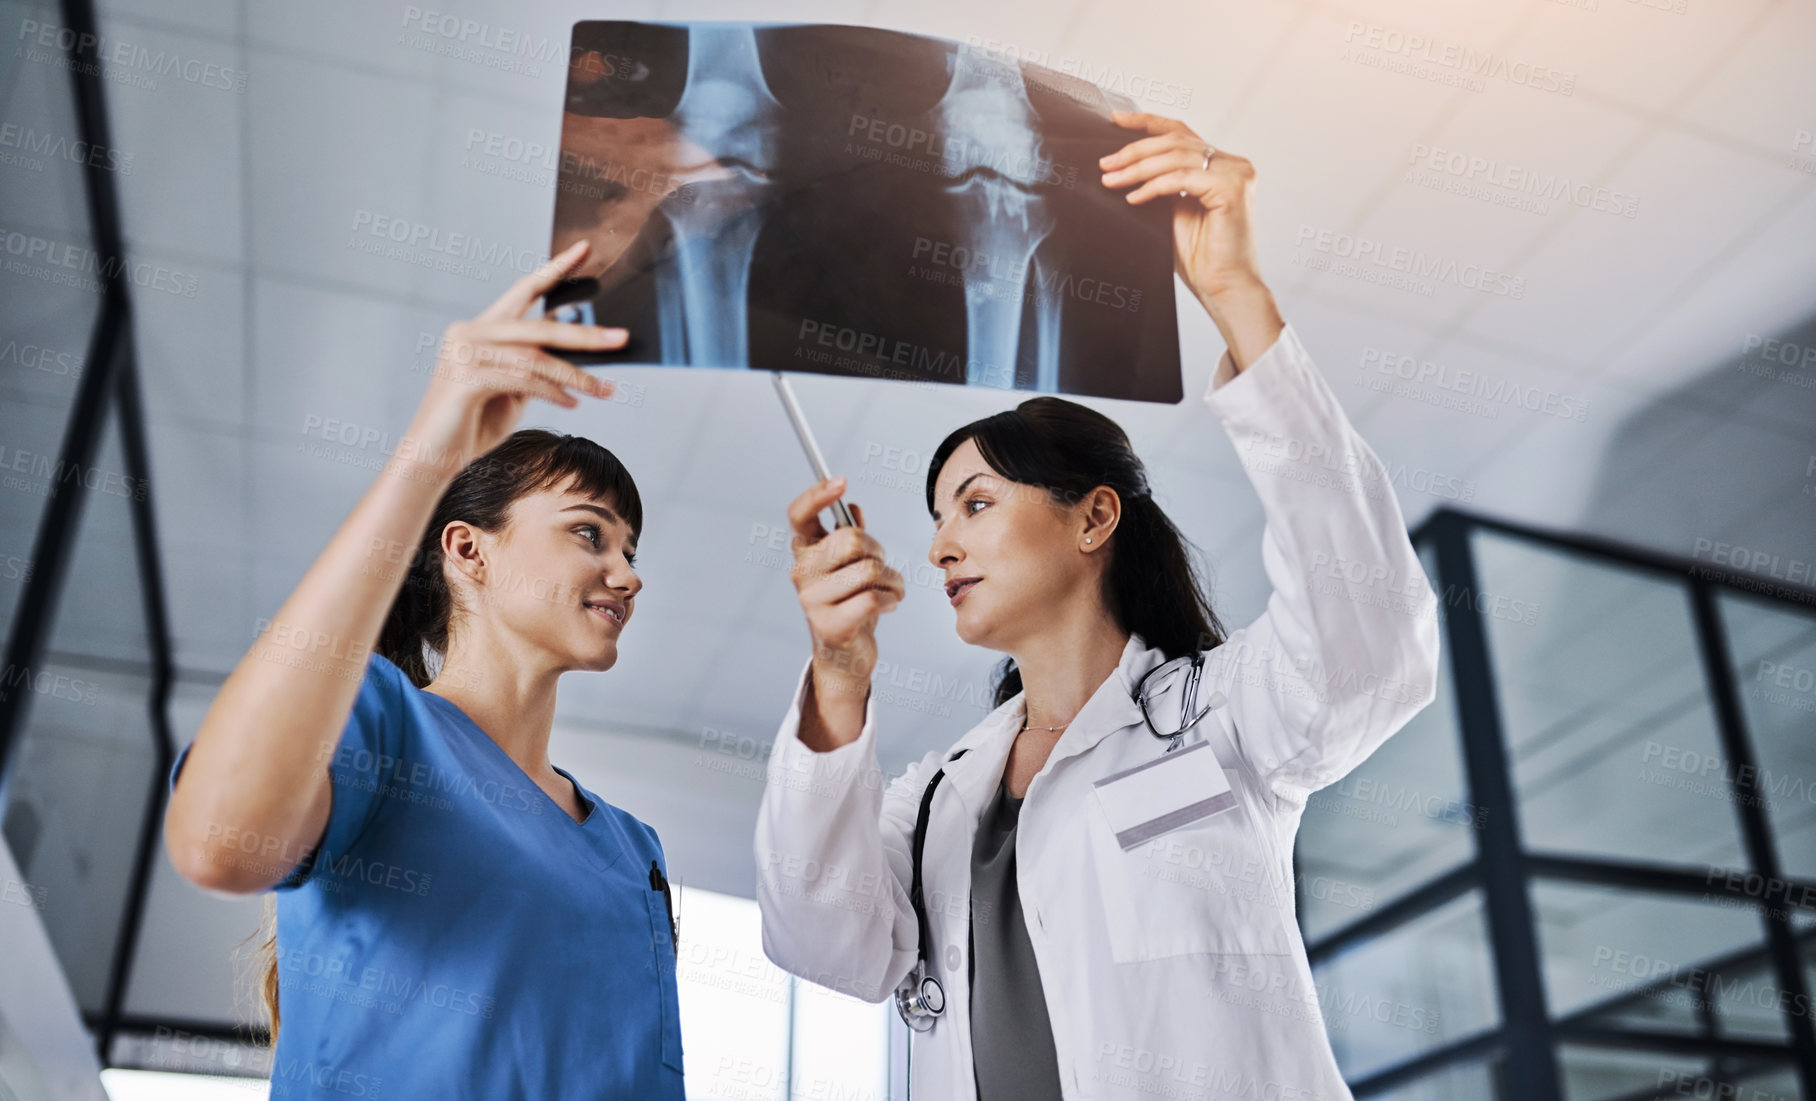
x: 853, y: 201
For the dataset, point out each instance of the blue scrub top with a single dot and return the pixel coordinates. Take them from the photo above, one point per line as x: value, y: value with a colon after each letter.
x: 457, y: 934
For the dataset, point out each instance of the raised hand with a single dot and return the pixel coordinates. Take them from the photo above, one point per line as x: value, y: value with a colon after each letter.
x: 845, y: 586
x: 491, y: 365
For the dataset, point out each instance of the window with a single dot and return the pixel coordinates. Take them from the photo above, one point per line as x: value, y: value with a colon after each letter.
x: 752, y: 1032
x: 1414, y: 989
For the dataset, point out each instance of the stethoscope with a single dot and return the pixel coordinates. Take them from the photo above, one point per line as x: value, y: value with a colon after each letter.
x: 920, y: 998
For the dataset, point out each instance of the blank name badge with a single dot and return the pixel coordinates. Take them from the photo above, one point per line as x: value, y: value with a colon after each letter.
x: 1173, y: 790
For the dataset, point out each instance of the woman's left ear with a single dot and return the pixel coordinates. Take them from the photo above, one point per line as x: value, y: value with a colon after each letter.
x: 1103, y: 512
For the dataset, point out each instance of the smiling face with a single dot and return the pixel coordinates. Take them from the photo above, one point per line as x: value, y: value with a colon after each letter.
x: 559, y: 576
x: 1010, y: 554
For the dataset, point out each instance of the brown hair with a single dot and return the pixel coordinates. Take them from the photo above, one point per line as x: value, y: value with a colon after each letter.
x: 264, y: 965
x: 528, y: 461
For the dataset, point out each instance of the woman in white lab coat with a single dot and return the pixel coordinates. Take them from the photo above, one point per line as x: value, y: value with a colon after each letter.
x: 1107, y: 868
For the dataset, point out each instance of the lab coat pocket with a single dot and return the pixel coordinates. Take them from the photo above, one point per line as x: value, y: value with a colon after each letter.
x: 661, y: 936
x: 1206, y: 886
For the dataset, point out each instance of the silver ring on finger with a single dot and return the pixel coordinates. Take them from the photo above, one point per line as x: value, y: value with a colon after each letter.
x: 1209, y: 152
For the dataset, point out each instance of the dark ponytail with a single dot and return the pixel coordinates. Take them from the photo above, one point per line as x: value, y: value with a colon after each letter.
x: 529, y: 461
x: 1154, y: 585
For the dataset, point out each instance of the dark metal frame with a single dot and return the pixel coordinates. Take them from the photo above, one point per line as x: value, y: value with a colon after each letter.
x: 110, y: 384
x: 1526, y: 1042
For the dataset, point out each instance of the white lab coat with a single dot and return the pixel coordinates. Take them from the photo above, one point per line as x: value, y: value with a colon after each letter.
x: 1176, y: 969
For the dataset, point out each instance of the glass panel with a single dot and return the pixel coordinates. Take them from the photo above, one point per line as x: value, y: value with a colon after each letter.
x: 1750, y: 1003
x: 1595, y: 1074
x: 1773, y: 650
x: 1397, y: 820
x: 73, y: 802
x: 1419, y: 987
x: 1605, y: 707
x: 734, y: 1002
x: 1480, y: 1080
x: 1808, y: 943
x: 43, y: 192
x: 1779, y: 1084
x: 1603, y: 1074
x: 48, y: 300
x: 100, y: 612
x: 1621, y: 957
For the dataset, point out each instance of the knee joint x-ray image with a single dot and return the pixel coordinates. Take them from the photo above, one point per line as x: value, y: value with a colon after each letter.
x: 852, y: 201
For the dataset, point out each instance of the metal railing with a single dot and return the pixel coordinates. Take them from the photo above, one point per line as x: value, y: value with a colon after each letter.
x: 1525, y: 1044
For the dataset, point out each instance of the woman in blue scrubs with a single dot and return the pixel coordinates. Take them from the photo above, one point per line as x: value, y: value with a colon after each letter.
x: 455, y: 916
